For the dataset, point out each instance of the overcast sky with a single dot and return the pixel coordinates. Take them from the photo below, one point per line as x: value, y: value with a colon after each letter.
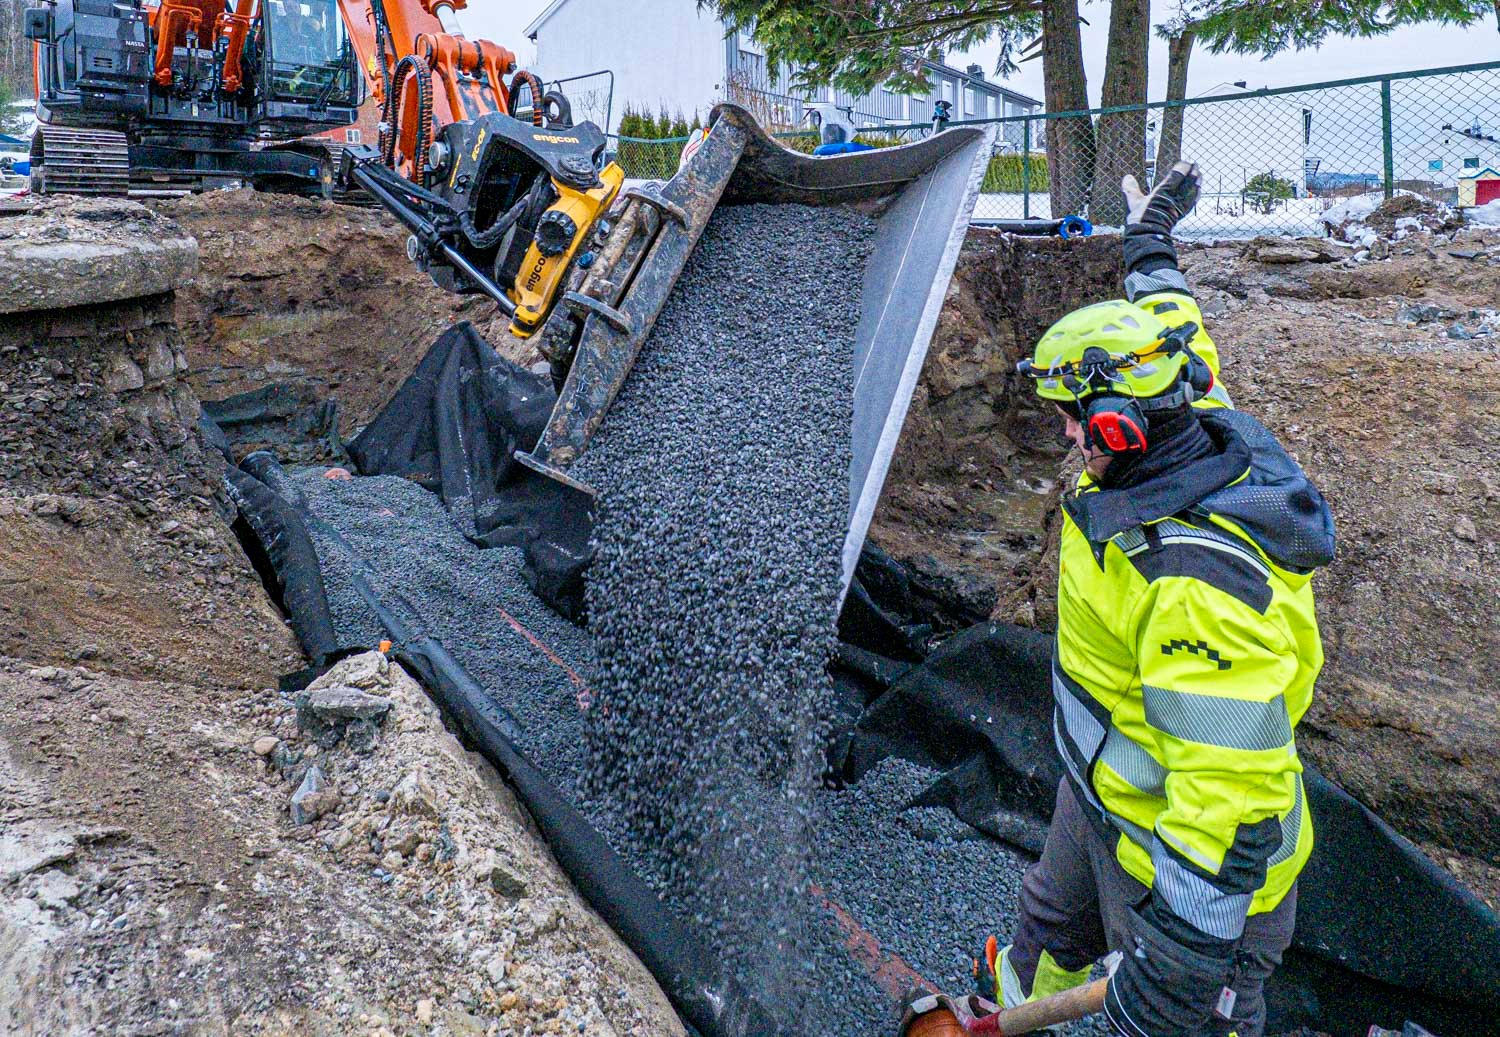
x: 1421, y: 47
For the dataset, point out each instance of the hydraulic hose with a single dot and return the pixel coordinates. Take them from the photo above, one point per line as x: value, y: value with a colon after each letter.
x: 412, y: 64
x: 492, y: 234
x: 538, y: 105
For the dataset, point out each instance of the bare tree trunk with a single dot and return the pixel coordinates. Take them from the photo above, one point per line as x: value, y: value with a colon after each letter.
x: 1070, y: 142
x: 1122, y: 136
x: 1169, y: 147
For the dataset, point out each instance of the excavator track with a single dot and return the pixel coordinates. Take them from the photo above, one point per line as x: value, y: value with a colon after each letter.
x: 65, y: 160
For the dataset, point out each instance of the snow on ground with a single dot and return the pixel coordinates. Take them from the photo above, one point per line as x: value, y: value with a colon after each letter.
x: 1487, y: 215
x: 1216, y: 216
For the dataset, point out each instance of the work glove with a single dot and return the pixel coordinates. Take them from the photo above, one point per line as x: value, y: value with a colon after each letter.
x: 1147, y: 241
x: 1164, y: 988
x: 1168, y: 202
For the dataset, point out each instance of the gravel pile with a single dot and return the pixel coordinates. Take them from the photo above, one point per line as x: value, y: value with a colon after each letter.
x: 473, y: 600
x: 723, y: 471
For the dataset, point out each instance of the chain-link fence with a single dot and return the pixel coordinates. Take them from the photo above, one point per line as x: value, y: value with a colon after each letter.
x: 1285, y: 161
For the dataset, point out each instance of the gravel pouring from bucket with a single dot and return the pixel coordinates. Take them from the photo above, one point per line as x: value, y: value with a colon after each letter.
x: 922, y: 196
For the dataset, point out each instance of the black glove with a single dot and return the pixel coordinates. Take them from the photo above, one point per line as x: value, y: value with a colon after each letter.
x: 1151, y: 217
x: 1164, y: 988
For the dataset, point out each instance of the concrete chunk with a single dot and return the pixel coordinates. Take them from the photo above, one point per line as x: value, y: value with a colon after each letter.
x: 66, y: 252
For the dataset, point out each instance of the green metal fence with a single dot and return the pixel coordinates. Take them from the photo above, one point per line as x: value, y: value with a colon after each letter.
x: 1291, y: 160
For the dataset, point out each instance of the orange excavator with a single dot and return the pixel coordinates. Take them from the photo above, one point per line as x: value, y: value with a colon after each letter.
x: 501, y: 190
x: 188, y: 94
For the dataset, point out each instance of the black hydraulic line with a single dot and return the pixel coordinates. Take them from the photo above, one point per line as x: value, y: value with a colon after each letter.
x: 427, y: 233
x: 492, y: 234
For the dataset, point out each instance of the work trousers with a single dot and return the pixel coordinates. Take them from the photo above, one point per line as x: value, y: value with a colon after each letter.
x: 1075, y: 904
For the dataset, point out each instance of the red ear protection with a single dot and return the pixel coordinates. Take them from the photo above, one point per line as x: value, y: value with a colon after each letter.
x: 1116, y: 424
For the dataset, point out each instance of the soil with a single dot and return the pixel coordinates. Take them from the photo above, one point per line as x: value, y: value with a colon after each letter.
x: 313, y: 293
x: 152, y: 877
x: 1382, y: 378
x: 153, y: 880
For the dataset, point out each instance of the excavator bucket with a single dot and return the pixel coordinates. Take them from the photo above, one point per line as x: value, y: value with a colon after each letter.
x: 922, y: 195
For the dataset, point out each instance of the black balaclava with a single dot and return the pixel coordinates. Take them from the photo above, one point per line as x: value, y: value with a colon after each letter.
x: 1175, y: 438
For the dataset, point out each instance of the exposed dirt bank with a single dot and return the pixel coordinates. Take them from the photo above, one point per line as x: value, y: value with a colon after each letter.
x: 306, y: 291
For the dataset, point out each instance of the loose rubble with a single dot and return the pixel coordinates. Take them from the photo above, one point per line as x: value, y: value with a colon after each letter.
x: 414, y: 900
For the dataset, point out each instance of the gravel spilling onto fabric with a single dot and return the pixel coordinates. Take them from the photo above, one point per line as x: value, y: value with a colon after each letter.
x: 925, y: 886
x: 689, y: 722
x: 723, y: 472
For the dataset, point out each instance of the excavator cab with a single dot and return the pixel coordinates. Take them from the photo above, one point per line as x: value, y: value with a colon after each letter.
x: 185, y: 93
x: 307, y: 58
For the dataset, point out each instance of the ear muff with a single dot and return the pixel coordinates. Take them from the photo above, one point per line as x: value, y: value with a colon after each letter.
x: 1116, y: 424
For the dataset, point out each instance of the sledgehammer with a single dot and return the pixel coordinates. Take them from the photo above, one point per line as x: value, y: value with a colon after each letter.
x: 938, y: 1015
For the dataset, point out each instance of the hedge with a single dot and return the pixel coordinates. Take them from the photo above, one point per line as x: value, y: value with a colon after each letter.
x: 1004, y: 174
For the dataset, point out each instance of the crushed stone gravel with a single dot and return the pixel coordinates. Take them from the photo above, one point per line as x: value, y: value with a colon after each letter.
x: 689, y: 722
x: 723, y: 472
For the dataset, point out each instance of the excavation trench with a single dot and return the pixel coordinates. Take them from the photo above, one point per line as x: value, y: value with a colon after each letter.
x: 941, y: 770
x: 113, y: 551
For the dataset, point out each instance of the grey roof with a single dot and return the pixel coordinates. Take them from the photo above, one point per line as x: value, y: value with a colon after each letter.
x: 980, y: 83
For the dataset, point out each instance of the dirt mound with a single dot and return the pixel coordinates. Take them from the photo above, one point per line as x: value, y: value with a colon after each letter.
x: 147, y: 847
x: 1411, y: 212
x: 1391, y: 407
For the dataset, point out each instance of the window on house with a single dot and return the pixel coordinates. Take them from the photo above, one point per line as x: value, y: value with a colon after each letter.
x: 1307, y: 126
x: 747, y: 40
x: 351, y: 135
x: 948, y: 90
x: 1471, y: 163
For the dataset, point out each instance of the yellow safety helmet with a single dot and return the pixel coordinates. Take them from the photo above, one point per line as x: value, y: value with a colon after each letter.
x: 1114, y: 347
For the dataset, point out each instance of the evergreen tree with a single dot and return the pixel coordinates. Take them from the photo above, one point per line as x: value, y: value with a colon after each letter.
x: 856, y: 45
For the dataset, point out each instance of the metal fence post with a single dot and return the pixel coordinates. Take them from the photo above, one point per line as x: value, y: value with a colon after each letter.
x: 1026, y: 169
x: 1385, y: 138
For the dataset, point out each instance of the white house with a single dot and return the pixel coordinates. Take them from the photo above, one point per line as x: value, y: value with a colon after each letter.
x: 1236, y: 141
x: 1448, y: 153
x: 668, y: 54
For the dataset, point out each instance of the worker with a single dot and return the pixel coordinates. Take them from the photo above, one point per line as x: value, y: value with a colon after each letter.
x: 835, y: 129
x: 1186, y: 652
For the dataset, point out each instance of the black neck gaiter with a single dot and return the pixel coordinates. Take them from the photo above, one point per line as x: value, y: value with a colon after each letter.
x: 1175, y: 438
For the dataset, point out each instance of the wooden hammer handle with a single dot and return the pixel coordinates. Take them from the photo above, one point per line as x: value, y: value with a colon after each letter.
x: 1059, y: 1008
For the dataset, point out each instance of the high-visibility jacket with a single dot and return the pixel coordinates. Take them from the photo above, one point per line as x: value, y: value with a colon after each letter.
x: 1186, y: 653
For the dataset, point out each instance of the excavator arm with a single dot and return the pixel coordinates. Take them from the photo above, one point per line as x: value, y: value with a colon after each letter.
x: 495, y: 204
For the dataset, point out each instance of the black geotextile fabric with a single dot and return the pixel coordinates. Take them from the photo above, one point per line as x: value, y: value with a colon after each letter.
x: 712, y: 1004
x: 293, y: 419
x: 454, y: 427
x: 272, y: 529
x: 1383, y: 934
